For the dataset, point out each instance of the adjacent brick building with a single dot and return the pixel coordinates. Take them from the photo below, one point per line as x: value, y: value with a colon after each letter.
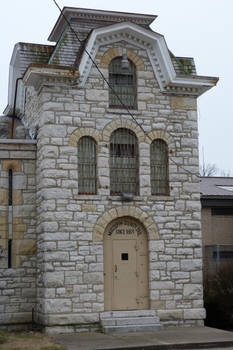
x: 100, y: 196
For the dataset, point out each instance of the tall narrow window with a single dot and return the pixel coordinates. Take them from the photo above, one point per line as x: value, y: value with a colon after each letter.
x: 124, y: 162
x: 10, y: 186
x: 122, y: 78
x: 159, y: 168
x: 9, y: 253
x: 87, y: 178
x: 10, y: 203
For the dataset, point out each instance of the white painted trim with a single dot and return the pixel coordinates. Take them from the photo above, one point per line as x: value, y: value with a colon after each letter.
x: 90, y: 14
x: 156, y: 47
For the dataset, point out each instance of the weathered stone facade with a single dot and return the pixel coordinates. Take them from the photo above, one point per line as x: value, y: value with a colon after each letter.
x: 18, y: 225
x: 68, y: 227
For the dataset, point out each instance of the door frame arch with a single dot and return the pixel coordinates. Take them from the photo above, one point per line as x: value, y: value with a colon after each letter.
x: 117, y: 212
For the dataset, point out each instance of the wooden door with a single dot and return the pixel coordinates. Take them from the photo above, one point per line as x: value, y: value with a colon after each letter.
x: 126, y: 266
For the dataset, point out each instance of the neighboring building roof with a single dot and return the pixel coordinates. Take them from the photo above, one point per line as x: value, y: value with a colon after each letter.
x: 217, y: 188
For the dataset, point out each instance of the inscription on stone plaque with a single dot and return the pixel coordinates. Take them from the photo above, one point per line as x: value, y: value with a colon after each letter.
x: 125, y: 228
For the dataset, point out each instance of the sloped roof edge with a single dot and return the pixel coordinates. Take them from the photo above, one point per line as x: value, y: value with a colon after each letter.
x: 158, y: 53
x: 89, y: 14
x: 216, y: 187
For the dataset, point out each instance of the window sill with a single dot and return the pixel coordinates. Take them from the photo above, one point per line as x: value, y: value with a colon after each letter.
x: 160, y: 198
x: 89, y: 197
x: 122, y: 111
x: 141, y: 198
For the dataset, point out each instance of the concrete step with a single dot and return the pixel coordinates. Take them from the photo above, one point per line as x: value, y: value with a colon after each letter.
x: 129, y: 321
x: 131, y: 328
x: 122, y: 321
x: 128, y: 313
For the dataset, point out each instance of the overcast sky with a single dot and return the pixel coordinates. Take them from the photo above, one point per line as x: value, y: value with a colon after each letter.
x: 201, y: 29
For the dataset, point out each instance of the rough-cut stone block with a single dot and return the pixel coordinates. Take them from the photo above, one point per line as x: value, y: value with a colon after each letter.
x: 54, y: 279
x: 51, y: 306
x: 93, y: 277
x: 96, y: 95
x: 170, y: 315
x: 3, y: 197
x: 191, y: 265
x: 156, y: 246
x: 186, y: 103
x: 89, y: 207
x: 194, y: 314
x: 193, y: 291
x: 13, y: 164
x: 162, y: 285
x: 53, y: 131
x: 24, y: 247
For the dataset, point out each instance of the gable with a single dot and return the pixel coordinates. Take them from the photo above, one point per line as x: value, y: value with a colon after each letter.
x: 157, y: 51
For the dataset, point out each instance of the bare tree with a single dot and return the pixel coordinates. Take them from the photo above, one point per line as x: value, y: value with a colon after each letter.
x: 225, y: 173
x: 212, y: 170
x: 208, y: 169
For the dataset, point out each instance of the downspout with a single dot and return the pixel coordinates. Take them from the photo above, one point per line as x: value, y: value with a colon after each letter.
x: 14, y: 108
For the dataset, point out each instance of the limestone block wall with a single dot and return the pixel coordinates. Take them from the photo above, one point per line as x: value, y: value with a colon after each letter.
x: 70, y: 226
x: 17, y: 233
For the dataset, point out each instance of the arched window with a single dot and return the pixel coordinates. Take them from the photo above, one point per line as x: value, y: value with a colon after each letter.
x: 159, y: 168
x: 124, y: 162
x: 87, y: 178
x: 122, y: 78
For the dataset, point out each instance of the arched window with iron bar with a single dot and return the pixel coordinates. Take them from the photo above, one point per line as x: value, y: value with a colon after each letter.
x: 124, y: 162
x: 87, y: 174
x: 159, y: 168
x: 122, y: 78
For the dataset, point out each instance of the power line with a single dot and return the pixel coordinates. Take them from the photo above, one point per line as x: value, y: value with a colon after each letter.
x: 112, y: 89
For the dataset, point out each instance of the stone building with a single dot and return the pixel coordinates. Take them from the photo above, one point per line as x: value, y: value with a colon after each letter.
x: 100, y: 197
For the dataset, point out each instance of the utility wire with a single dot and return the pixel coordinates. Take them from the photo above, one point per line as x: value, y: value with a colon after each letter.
x: 112, y: 89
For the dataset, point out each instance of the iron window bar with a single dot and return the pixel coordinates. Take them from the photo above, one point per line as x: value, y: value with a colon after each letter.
x: 123, y: 81
x: 124, y: 162
x: 159, y: 168
x: 87, y: 174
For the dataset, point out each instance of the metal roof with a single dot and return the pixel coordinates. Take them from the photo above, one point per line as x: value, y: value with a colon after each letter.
x: 217, y: 187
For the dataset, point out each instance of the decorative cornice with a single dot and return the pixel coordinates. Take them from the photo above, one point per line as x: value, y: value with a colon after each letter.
x: 158, y: 54
x: 100, y: 15
x: 37, y: 75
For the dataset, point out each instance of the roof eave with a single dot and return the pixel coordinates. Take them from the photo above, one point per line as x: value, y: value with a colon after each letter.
x: 36, y: 74
x: 70, y: 12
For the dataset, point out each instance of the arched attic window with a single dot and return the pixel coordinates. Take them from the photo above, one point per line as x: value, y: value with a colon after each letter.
x: 122, y: 78
x: 124, y: 162
x: 87, y: 176
x: 159, y: 168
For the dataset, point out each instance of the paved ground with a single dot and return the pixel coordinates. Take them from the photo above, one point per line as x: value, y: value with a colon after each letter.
x: 172, y: 338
